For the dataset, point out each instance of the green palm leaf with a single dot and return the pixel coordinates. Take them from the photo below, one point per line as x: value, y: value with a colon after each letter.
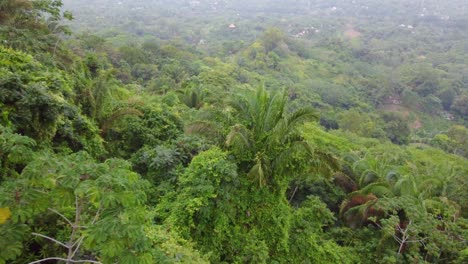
x: 239, y: 137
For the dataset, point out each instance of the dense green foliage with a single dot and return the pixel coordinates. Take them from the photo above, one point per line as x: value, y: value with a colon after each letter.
x: 313, y: 132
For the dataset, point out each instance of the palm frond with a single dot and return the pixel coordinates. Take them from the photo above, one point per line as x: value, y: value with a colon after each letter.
x: 324, y: 162
x: 278, y: 135
x: 258, y: 105
x: 241, y: 103
x: 431, y: 186
x: 301, y: 116
x: 286, y: 126
x: 354, y: 210
x: 203, y: 128
x: 316, y: 161
x: 274, y: 111
x: 392, y: 177
x: 258, y: 173
x: 116, y: 115
x: 367, y: 177
x: 406, y: 186
x: 345, y: 182
x: 379, y: 189
x: 239, y: 137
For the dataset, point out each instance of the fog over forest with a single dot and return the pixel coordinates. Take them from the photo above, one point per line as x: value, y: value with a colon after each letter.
x: 147, y: 13
x: 223, y: 131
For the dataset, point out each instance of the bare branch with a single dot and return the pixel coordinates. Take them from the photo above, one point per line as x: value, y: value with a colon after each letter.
x: 415, y: 241
x: 64, y: 217
x: 397, y: 239
x: 51, y: 239
x: 71, y: 252
x: 79, y: 241
x: 292, y: 196
x: 63, y: 259
x: 97, y: 214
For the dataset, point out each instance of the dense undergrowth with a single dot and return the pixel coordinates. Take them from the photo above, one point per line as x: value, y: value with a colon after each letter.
x: 275, y: 151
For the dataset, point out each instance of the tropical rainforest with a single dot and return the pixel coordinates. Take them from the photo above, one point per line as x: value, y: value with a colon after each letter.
x: 266, y: 131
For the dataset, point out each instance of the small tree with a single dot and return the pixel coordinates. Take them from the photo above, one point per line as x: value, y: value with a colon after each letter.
x: 78, y: 210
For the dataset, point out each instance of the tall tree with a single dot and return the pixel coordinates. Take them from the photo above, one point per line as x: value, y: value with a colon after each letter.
x: 32, y: 24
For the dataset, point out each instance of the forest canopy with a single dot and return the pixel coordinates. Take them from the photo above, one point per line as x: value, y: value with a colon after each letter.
x: 233, y: 131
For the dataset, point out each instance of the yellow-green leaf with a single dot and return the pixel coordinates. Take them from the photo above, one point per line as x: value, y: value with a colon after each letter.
x: 5, y: 214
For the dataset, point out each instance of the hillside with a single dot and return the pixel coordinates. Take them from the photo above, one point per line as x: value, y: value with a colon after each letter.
x: 233, y: 131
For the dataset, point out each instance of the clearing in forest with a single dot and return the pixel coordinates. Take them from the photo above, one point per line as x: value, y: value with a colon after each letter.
x: 351, y: 32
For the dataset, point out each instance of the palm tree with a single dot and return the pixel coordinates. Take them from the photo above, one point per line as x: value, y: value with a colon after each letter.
x: 266, y: 142
x: 102, y: 99
x: 385, y: 176
x: 193, y: 96
x: 375, y: 175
